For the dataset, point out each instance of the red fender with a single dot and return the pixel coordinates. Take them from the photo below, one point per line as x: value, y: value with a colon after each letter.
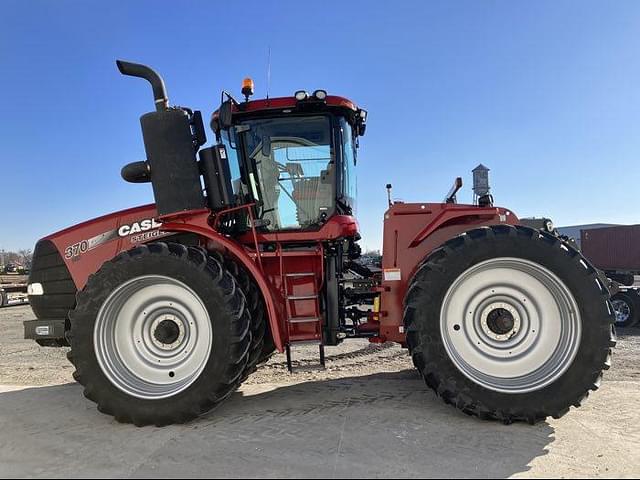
x: 450, y: 214
x: 198, y: 223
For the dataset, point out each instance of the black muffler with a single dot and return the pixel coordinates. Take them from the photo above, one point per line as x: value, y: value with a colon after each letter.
x: 171, y: 140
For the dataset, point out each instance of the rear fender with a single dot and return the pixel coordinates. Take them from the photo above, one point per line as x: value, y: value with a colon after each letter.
x: 460, y: 215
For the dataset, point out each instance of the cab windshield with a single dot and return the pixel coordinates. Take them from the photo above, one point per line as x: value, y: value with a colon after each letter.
x: 294, y: 161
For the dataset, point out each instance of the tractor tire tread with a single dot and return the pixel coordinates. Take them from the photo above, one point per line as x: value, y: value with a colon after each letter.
x: 256, y: 309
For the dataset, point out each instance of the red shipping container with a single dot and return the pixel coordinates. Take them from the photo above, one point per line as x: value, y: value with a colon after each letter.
x: 612, y: 248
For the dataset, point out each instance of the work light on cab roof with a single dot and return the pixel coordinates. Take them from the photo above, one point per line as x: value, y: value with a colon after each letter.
x: 180, y: 301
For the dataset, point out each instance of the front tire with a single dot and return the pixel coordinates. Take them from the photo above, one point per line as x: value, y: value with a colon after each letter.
x: 160, y: 335
x: 509, y: 323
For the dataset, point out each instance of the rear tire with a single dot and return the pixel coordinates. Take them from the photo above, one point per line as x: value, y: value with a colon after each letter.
x: 503, y: 358
x: 626, y: 306
x: 160, y: 335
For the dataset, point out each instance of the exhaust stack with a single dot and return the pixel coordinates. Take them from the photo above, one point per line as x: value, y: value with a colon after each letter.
x: 171, y: 139
x: 160, y: 96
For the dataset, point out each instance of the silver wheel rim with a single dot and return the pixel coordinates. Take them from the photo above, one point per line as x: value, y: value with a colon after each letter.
x: 510, y: 325
x: 622, y: 311
x: 152, y: 337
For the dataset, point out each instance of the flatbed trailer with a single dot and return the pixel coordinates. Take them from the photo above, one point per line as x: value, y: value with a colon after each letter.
x: 12, y: 286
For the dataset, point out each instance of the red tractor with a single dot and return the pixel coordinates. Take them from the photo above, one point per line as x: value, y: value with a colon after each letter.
x: 251, y: 248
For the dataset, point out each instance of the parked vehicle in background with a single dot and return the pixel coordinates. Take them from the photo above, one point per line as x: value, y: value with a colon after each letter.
x: 11, y: 268
x: 616, y: 251
x: 14, y: 269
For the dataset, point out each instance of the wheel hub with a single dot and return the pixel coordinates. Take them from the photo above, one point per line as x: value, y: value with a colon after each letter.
x: 167, y: 332
x: 500, y: 321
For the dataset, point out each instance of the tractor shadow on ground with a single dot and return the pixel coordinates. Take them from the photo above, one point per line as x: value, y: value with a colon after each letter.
x: 382, y: 425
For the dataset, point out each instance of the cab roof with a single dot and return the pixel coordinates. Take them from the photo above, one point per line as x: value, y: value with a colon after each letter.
x: 283, y: 103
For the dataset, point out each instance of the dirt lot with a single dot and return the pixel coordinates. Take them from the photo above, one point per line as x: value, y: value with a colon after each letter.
x: 368, y: 414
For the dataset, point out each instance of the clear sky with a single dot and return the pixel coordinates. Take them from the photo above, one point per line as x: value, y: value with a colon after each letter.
x: 545, y: 93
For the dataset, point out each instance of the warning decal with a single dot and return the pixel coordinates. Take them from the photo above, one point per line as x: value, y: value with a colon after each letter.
x: 392, y: 275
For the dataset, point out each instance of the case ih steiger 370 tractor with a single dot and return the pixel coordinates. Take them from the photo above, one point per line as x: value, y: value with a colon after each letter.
x: 251, y: 248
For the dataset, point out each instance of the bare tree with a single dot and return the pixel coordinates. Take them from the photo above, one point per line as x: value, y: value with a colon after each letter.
x: 26, y: 256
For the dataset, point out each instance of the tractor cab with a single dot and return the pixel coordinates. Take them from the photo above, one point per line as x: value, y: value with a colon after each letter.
x: 293, y: 157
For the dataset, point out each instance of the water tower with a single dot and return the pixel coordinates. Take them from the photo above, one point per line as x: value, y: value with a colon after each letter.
x: 481, y: 188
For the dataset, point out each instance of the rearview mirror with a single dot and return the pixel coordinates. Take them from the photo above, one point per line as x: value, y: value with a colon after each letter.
x: 266, y: 145
x: 225, y: 115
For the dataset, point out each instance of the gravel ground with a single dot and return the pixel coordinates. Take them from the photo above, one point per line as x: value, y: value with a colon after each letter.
x: 23, y: 362
x: 367, y: 415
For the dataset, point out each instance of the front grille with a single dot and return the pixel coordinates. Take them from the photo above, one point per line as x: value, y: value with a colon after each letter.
x: 49, y: 269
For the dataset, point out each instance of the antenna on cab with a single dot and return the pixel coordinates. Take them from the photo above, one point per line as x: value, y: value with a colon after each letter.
x: 268, y: 71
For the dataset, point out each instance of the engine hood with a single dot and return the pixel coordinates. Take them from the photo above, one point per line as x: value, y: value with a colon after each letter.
x: 86, y: 246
